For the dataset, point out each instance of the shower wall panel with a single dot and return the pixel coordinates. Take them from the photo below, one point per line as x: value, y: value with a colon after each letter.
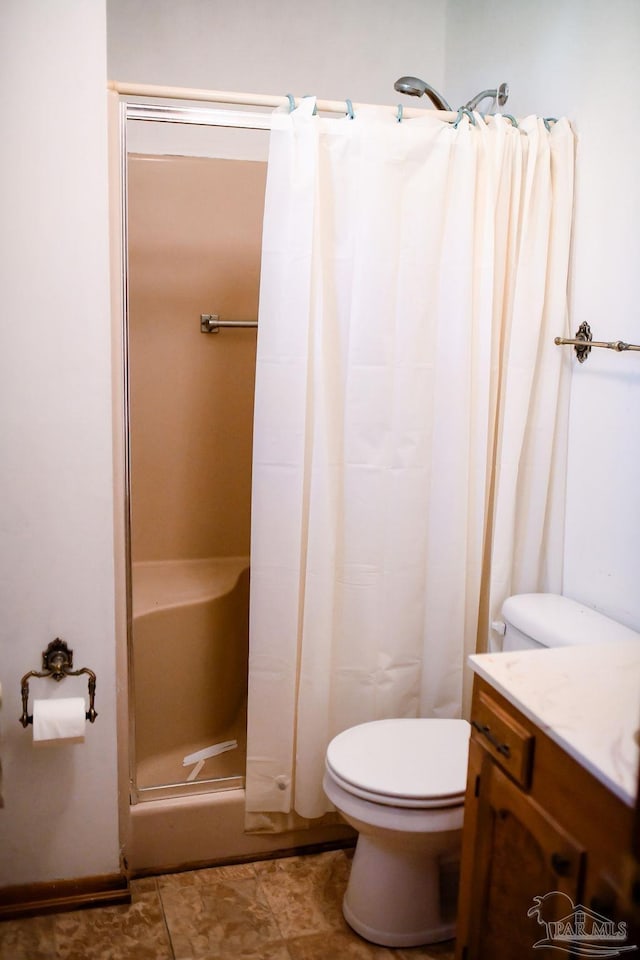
x: 194, y: 228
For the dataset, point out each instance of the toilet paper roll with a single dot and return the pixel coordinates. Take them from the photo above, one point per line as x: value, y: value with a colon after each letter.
x: 59, y: 721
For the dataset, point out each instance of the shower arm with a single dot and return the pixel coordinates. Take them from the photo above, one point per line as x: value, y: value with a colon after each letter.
x: 498, y: 96
x: 414, y: 87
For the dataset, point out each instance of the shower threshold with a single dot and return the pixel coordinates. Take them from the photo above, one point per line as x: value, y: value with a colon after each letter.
x: 184, y: 789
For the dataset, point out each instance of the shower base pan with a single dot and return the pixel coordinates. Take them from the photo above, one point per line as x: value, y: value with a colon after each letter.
x: 164, y: 775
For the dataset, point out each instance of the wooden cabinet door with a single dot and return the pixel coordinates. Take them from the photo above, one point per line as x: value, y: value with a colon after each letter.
x: 520, y: 854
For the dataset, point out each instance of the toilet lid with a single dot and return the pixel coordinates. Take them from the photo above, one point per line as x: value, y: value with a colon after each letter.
x: 406, y: 762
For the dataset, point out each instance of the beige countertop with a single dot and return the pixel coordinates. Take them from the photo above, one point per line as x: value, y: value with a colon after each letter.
x: 586, y: 699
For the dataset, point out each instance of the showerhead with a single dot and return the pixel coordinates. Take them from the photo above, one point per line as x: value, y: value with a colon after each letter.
x: 414, y: 87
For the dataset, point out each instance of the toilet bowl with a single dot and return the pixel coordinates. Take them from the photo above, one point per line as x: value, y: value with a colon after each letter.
x: 401, y: 784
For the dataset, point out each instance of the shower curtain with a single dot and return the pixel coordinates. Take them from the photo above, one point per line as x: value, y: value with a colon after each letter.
x: 410, y: 421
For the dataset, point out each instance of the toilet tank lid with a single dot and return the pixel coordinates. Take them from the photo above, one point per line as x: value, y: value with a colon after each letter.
x: 556, y: 621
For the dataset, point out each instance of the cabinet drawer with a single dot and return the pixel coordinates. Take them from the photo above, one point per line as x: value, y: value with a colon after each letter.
x: 508, y: 742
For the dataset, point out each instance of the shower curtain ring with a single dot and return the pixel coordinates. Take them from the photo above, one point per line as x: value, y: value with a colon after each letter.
x: 399, y: 113
x: 463, y: 111
x: 292, y: 102
x: 509, y: 116
x: 548, y: 121
x: 350, y: 113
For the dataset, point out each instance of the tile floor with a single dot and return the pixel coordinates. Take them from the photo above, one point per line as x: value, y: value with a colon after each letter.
x: 287, y: 909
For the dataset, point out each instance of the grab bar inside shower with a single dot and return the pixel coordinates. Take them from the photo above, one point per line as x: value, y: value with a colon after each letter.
x: 211, y: 323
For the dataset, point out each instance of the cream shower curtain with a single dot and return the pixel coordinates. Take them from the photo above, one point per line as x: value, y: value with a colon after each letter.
x: 409, y: 421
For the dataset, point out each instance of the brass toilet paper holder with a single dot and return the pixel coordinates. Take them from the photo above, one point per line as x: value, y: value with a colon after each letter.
x: 57, y: 663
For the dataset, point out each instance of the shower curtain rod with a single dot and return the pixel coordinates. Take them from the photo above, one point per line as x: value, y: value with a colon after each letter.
x: 252, y: 99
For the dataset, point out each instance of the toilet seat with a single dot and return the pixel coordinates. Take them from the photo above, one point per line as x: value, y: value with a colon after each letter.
x: 414, y: 763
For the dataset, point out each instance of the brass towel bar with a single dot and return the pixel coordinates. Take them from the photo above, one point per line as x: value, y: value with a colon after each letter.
x: 583, y: 342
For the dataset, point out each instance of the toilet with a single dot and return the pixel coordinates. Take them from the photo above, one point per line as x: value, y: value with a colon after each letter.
x: 401, y: 783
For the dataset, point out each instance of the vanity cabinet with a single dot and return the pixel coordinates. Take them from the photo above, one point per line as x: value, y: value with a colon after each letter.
x: 539, y: 829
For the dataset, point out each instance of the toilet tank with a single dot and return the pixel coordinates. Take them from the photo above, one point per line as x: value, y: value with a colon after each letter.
x: 537, y: 620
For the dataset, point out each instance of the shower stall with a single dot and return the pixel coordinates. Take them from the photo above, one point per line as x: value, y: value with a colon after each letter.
x: 194, y: 229
x: 192, y: 200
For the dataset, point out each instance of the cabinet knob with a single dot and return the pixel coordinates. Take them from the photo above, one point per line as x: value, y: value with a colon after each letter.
x: 561, y: 864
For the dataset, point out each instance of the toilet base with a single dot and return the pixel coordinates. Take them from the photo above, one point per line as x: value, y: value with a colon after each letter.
x: 385, y: 939
x: 396, y: 894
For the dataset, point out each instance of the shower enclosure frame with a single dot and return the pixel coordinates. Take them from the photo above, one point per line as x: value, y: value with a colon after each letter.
x: 132, y: 110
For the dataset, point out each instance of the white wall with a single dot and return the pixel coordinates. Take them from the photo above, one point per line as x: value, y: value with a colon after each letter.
x: 581, y: 58
x: 56, y: 575
x: 333, y: 49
